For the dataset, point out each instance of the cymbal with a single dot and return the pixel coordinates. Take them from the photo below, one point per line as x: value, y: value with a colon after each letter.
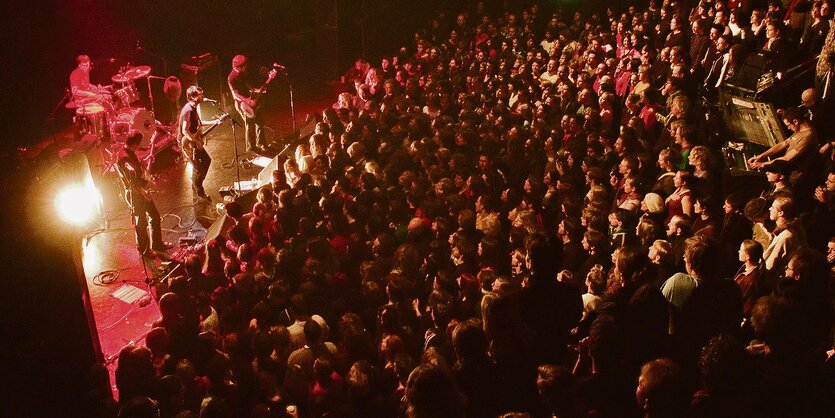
x: 138, y: 72
x: 121, y: 78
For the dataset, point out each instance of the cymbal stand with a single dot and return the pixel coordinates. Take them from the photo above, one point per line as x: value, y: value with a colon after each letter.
x: 108, y: 157
x: 66, y: 97
x: 151, y: 98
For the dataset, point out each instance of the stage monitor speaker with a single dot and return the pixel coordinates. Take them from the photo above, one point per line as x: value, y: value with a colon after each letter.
x: 292, y: 139
x: 245, y: 198
x: 219, y: 228
x: 266, y: 175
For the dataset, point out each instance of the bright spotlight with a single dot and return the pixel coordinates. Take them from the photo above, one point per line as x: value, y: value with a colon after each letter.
x: 78, y: 204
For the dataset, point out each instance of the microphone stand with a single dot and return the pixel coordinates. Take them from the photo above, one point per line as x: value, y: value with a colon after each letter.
x: 234, y: 144
x: 292, y: 103
x: 148, y: 280
x: 140, y: 48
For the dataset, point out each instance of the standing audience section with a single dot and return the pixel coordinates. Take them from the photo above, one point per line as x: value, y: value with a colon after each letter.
x: 526, y: 214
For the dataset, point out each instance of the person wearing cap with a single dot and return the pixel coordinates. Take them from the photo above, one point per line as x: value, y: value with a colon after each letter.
x: 652, y: 206
x: 190, y: 138
x: 777, y: 174
x: 240, y: 87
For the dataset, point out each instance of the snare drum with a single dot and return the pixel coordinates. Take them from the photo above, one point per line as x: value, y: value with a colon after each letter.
x: 126, y: 96
x: 134, y: 119
x: 91, y: 119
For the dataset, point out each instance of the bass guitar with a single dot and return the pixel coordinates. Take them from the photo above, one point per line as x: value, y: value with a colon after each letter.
x: 249, y: 107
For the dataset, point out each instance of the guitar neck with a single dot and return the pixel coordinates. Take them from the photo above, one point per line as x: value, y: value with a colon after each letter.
x: 150, y: 158
x: 262, y: 89
x: 216, y: 123
x: 211, y: 128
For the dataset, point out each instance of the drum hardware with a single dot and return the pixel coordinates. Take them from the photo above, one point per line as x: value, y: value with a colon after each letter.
x: 138, y: 72
x: 126, y: 96
x: 112, y: 113
x: 91, y: 119
x: 108, y: 157
x: 129, y: 74
x: 120, y: 78
x: 136, y: 119
x: 75, y: 104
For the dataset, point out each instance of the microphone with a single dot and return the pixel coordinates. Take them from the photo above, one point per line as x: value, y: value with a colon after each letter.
x: 210, y: 100
x: 279, y: 66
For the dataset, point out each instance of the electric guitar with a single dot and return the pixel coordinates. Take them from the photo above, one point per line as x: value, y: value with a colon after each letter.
x: 149, y: 159
x: 187, y: 145
x: 131, y: 175
x: 244, y: 107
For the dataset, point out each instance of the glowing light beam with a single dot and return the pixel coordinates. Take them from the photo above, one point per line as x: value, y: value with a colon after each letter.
x: 78, y: 205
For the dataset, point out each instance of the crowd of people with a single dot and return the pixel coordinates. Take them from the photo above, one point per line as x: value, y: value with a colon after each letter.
x: 524, y: 214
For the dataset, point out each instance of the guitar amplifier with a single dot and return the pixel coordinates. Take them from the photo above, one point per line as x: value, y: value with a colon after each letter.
x: 204, y: 71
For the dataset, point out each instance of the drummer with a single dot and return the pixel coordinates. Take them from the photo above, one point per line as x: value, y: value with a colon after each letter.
x: 80, y: 79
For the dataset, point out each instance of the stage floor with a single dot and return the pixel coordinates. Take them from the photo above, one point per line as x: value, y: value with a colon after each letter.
x: 124, y: 304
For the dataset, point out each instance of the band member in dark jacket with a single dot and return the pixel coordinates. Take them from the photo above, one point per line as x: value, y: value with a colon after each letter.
x: 143, y: 208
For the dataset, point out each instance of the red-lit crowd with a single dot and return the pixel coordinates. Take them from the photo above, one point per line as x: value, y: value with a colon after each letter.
x: 525, y: 212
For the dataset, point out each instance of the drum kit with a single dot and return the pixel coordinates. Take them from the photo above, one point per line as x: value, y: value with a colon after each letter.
x: 115, y: 110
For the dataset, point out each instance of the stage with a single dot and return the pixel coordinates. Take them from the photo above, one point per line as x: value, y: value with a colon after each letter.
x: 123, y: 291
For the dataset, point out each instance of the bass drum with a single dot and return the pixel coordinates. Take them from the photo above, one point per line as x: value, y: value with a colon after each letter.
x: 91, y: 119
x: 134, y: 119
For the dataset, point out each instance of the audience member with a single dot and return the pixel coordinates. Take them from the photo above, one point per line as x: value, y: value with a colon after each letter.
x: 486, y: 207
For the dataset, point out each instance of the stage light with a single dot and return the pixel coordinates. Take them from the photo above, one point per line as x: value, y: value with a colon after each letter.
x: 78, y: 204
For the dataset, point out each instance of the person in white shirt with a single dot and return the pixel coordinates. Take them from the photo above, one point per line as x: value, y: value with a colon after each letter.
x: 548, y: 43
x: 550, y: 75
x: 788, y: 234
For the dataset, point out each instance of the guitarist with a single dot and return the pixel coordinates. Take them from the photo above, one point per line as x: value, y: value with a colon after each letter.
x: 190, y: 137
x: 143, y: 208
x: 240, y: 87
